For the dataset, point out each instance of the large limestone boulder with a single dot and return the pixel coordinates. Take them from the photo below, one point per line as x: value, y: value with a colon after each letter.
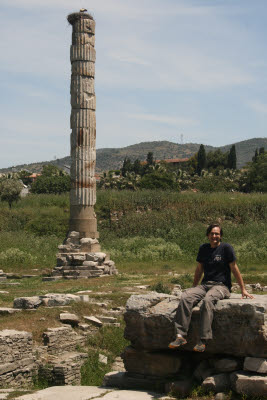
x: 239, y: 326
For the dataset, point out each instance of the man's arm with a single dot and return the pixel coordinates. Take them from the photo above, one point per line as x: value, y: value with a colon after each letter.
x: 198, y: 273
x: 239, y: 279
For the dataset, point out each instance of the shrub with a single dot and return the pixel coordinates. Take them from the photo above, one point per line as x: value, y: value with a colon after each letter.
x: 50, y: 222
x: 51, y: 184
x: 144, y: 249
x: 160, y: 288
x: 10, y: 190
x: 16, y: 257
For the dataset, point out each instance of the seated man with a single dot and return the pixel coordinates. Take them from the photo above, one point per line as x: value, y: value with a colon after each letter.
x: 216, y: 259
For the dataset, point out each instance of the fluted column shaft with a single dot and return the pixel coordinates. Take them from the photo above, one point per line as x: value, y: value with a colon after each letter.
x: 83, y: 126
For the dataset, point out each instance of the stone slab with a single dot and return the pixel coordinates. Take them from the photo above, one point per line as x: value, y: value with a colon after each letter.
x: 258, y: 365
x: 7, y: 310
x: 160, y: 364
x: 240, y: 324
x: 93, y: 320
x: 89, y: 392
x: 27, y: 302
x: 217, y: 383
x: 249, y: 384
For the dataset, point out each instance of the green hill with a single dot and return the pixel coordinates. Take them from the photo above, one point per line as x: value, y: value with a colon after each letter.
x: 112, y: 158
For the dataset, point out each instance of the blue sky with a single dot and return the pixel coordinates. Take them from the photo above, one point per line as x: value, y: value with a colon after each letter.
x: 164, y: 68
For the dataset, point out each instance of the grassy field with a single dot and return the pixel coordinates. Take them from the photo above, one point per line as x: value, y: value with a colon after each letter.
x: 144, y: 227
x: 150, y: 235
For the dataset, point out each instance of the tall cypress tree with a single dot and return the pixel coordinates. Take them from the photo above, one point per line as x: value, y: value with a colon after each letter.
x: 150, y: 158
x: 256, y: 155
x: 126, y: 167
x: 201, y: 159
x: 232, y: 158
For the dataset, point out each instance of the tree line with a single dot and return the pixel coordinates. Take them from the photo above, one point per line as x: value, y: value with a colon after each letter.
x: 214, y: 171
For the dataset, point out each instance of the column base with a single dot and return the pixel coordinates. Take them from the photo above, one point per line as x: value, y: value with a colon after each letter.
x: 83, y: 220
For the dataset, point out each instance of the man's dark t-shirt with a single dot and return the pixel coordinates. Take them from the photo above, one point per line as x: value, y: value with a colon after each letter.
x: 216, y: 263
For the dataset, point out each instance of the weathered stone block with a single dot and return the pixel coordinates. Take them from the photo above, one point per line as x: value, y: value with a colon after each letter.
x: 256, y: 365
x: 27, y: 302
x: 160, y: 364
x: 61, y: 261
x: 68, y: 318
x: 62, y: 340
x: 180, y: 388
x: 93, y: 320
x: 100, y: 256
x: 78, y: 259
x: 90, y: 264
x: 58, y: 299
x: 249, y: 384
x: 217, y: 383
x: 153, y: 315
x: 226, y: 364
x: 8, y: 311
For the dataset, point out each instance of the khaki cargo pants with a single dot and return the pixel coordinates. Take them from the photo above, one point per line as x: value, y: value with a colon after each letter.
x: 210, y: 292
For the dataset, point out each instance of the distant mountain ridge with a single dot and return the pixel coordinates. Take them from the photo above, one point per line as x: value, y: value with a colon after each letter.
x: 112, y: 158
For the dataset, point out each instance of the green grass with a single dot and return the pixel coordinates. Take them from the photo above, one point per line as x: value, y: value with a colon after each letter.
x: 108, y: 341
x: 147, y: 227
x: 24, y: 251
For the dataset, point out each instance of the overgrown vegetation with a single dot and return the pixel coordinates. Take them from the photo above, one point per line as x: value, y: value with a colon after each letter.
x: 142, y: 226
x: 108, y: 341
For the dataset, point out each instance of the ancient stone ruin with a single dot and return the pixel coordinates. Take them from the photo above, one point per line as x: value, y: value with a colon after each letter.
x: 235, y: 359
x: 58, y: 360
x: 79, y: 255
x: 80, y: 258
x: 22, y: 361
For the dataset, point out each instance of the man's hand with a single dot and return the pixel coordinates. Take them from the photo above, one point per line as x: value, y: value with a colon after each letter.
x: 246, y: 295
x: 238, y: 277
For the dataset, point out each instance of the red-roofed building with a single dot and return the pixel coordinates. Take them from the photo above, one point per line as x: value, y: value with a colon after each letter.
x: 34, y: 176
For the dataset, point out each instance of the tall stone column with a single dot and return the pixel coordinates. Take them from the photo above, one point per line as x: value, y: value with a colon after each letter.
x: 79, y: 256
x: 83, y: 125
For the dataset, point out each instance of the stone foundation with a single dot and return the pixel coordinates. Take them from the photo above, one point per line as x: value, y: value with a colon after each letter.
x: 58, y: 361
x: 235, y: 359
x: 81, y: 258
x: 62, y: 340
x: 18, y: 363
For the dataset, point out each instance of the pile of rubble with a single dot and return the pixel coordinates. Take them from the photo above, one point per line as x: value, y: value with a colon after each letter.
x: 81, y: 258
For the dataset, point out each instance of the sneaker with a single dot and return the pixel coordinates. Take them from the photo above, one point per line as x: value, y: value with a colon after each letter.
x: 179, y: 341
x: 200, y: 347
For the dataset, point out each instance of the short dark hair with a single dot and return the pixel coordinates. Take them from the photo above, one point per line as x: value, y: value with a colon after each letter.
x: 211, y: 226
